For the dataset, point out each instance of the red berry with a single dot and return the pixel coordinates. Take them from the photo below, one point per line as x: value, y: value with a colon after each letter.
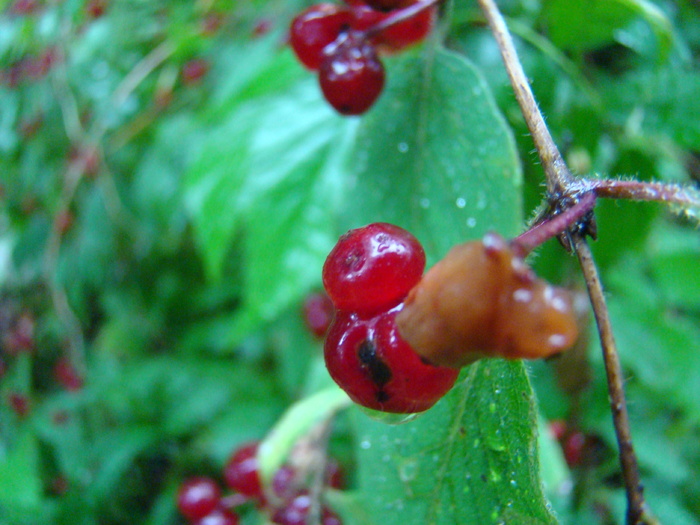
x: 67, y: 376
x: 351, y: 75
x: 296, y: 512
x: 284, y: 482
x: 218, y: 517
x: 573, y: 447
x: 241, y: 471
x: 194, y: 70
x: 335, y: 476
x: 376, y: 367
x: 318, y: 313
x: 25, y: 7
x: 408, y: 32
x: 20, y: 404
x: 314, y: 29
x: 198, y: 497
x: 96, y: 8
x: 372, y: 268
x: 558, y: 429
x: 262, y: 27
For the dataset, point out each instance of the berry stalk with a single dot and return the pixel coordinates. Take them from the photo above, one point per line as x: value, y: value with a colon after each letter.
x: 526, y: 242
x: 398, y: 16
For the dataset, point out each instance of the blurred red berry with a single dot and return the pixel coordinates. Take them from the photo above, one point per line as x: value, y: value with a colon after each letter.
x: 241, y: 471
x: 262, y: 27
x: 24, y: 7
x: 318, y: 313
x: 573, y: 447
x: 194, y: 70
x: 558, y: 429
x: 19, y: 403
x: 211, y: 23
x: 20, y: 338
x: 198, y: 497
x: 218, y: 517
x: 67, y: 376
x: 96, y: 8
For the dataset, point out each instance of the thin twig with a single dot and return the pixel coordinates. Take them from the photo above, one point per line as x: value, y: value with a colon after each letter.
x: 556, y: 171
x: 637, y: 513
x: 562, y: 186
x: 553, y: 226
x: 686, y: 197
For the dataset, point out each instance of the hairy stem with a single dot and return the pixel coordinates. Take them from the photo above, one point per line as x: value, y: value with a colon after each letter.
x: 556, y: 171
x: 686, y: 197
x: 561, y: 186
x: 545, y: 230
x: 637, y: 512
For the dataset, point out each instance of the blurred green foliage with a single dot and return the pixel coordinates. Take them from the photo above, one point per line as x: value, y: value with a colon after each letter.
x: 159, y: 232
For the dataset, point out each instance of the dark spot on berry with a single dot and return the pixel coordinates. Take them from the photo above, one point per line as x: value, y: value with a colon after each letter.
x: 382, y: 396
x: 379, y: 372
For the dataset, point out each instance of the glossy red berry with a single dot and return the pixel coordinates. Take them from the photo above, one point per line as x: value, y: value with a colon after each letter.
x: 314, y: 29
x: 198, y: 497
x: 372, y: 268
x: 351, y: 75
x: 318, y: 313
x: 218, y: 517
x: 296, y: 512
x: 241, y: 471
x: 376, y: 367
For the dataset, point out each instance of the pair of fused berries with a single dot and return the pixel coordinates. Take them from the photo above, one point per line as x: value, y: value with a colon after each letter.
x: 367, y: 276
x: 399, y: 338
x: 200, y: 499
x: 343, y: 45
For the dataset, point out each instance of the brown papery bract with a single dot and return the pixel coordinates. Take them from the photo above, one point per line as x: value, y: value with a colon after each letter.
x: 482, y: 300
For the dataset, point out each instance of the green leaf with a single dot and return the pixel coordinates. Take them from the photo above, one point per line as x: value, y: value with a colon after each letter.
x: 19, y: 470
x: 297, y: 422
x: 435, y: 156
x: 273, y: 172
x: 472, y: 459
x: 586, y: 25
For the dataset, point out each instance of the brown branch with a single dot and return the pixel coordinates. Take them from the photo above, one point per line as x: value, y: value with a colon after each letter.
x: 637, y: 512
x: 562, y: 187
x: 556, y: 171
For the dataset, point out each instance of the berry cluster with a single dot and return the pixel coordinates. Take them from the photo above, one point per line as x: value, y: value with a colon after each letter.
x: 399, y: 337
x: 288, y: 502
x: 367, y: 276
x: 483, y: 300
x: 343, y: 43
